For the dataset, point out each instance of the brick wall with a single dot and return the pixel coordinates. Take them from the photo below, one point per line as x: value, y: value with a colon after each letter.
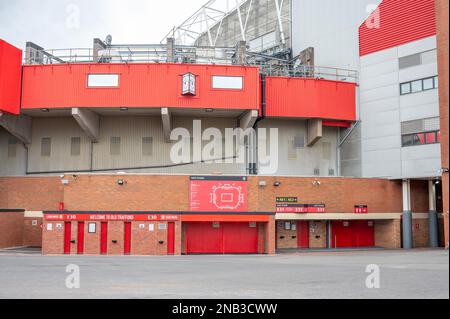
x: 32, y: 234
x: 420, y: 233
x: 11, y: 229
x: 388, y: 234
x: 52, y: 239
x: 318, y: 234
x: 171, y: 193
x: 442, y: 11
x: 286, y: 238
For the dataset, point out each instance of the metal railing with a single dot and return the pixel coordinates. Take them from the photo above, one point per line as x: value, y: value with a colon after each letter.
x: 269, y: 65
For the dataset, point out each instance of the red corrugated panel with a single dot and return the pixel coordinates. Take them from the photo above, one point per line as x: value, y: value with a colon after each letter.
x: 400, y: 22
x: 141, y: 85
x: 310, y: 98
x: 10, y: 77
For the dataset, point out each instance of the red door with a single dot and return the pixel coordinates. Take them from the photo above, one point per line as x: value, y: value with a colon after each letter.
x: 341, y: 234
x: 221, y: 238
x: 203, y: 238
x: 104, y: 238
x: 80, y: 238
x: 127, y: 239
x: 240, y: 238
x: 303, y: 234
x: 67, y: 237
x: 171, y: 239
x: 365, y: 233
x: 355, y: 233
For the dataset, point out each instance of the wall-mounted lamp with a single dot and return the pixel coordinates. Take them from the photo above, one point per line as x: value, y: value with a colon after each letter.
x: 317, y: 183
x: 262, y: 183
x: 277, y: 184
x: 45, y: 110
x: 121, y: 182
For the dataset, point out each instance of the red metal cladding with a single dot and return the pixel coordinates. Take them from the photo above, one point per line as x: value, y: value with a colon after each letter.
x: 104, y: 238
x: 397, y: 22
x: 310, y: 98
x: 240, y: 238
x: 140, y: 85
x: 10, y: 78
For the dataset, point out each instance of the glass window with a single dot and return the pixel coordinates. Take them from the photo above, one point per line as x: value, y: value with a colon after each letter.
x: 228, y: 82
x: 416, y: 86
x: 436, y: 82
x: 428, y: 84
x: 405, y: 88
x: 103, y: 80
x: 430, y: 138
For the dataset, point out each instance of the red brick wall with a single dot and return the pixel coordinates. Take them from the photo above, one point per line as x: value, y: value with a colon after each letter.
x: 31, y: 193
x: 53, y: 240
x: 11, y: 229
x: 32, y: 234
x: 442, y: 11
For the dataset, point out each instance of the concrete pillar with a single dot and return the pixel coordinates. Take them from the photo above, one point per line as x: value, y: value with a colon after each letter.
x: 433, y: 218
x: 98, y: 46
x: 407, y: 216
x: 34, y: 53
x: 170, y: 50
x: 240, y: 57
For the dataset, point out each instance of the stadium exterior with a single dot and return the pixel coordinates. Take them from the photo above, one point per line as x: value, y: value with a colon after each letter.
x: 280, y: 125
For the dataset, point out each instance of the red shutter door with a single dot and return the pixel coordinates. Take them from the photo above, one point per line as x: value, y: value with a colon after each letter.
x: 240, y: 238
x: 365, y: 232
x: 67, y: 237
x: 80, y: 238
x: 341, y: 233
x: 203, y: 238
x: 303, y: 234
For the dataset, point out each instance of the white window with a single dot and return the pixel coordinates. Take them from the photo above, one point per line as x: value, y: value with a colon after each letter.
x: 416, y: 86
x: 103, y: 80
x: 228, y: 82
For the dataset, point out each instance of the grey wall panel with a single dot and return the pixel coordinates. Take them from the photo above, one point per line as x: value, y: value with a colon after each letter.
x: 321, y: 156
x: 60, y: 130
x: 13, y: 162
x: 331, y: 27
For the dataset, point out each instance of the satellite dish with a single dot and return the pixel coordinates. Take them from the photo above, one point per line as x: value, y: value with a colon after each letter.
x: 108, y: 39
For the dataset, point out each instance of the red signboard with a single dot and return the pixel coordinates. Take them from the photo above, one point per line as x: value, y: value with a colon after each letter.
x: 218, y: 194
x: 361, y: 209
x: 301, y: 208
x: 112, y: 217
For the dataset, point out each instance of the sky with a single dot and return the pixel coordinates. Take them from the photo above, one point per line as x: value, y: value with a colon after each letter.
x: 54, y: 24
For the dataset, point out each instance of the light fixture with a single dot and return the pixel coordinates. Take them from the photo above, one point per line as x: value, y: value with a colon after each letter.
x: 45, y: 110
x: 124, y: 109
x: 277, y: 184
x: 121, y: 182
x: 262, y: 183
x: 209, y: 110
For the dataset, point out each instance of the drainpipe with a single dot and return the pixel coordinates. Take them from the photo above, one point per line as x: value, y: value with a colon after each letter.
x: 433, y: 218
x: 407, y: 215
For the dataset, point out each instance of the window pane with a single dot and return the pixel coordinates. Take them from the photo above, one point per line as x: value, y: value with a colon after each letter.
x: 407, y: 140
x: 227, y: 82
x: 405, y: 88
x: 428, y: 84
x: 436, y: 82
x: 416, y: 86
x: 430, y: 138
x: 103, y: 80
x: 419, y: 139
x: 438, y: 136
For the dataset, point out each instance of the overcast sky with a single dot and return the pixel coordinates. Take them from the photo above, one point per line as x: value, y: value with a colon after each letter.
x: 74, y: 23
